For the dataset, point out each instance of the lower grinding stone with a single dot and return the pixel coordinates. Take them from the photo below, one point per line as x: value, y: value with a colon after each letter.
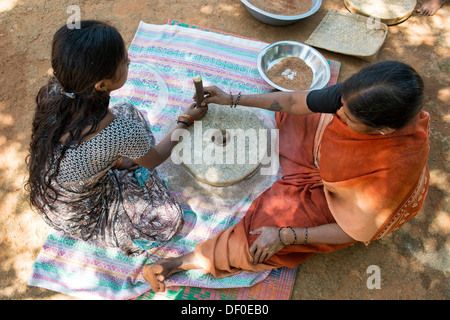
x: 225, y: 147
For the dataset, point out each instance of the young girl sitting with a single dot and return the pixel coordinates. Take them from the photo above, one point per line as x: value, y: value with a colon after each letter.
x: 83, y: 153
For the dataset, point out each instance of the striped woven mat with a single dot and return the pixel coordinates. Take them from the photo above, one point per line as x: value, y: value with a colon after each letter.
x: 164, y: 59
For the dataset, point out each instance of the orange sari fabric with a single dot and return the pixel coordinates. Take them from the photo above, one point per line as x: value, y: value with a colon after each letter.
x: 374, y: 183
x: 363, y: 184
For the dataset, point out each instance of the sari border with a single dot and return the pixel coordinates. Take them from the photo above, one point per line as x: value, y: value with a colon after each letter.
x: 324, y: 120
x: 408, y: 209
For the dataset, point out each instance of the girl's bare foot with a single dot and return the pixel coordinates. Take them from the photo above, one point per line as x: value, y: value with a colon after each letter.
x: 156, y: 273
x: 430, y: 7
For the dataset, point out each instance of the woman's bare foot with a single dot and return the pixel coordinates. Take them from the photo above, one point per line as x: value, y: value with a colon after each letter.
x: 156, y: 273
x: 430, y: 7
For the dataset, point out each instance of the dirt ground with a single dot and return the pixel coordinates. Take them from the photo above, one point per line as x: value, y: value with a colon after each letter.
x: 413, y: 262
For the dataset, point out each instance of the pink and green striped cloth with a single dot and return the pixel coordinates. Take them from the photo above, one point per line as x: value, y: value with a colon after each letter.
x: 164, y: 59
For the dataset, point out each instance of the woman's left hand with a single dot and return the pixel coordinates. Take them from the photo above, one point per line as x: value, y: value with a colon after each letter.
x: 266, y: 245
x: 214, y: 95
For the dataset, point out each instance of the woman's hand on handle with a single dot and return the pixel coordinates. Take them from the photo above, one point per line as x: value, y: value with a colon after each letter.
x: 215, y: 95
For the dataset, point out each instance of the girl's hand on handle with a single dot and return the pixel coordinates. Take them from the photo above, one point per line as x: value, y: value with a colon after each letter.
x: 214, y: 95
x: 196, y: 113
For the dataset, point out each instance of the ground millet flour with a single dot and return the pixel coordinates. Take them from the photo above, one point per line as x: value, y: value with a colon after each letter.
x: 291, y: 73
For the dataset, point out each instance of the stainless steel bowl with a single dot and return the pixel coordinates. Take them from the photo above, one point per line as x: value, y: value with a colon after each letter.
x: 274, y: 53
x: 279, y: 20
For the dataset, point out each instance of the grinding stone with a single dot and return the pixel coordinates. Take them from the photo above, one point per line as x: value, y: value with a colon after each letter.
x: 388, y: 11
x: 240, y: 158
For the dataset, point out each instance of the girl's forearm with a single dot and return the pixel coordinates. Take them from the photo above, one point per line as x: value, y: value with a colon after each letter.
x: 165, y: 147
x: 161, y: 152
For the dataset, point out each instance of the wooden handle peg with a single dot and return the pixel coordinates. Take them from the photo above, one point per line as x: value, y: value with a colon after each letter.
x: 199, y: 90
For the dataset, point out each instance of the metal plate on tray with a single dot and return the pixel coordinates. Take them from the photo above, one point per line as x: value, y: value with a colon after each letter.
x: 388, y: 11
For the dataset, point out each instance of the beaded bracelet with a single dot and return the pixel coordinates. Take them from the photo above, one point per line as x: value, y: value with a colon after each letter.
x: 237, y: 100
x: 306, y: 235
x: 279, y: 236
x: 295, y: 235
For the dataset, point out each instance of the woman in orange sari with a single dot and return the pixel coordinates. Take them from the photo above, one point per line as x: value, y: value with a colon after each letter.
x: 354, y: 160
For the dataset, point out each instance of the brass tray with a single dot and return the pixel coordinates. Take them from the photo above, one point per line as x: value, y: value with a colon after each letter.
x: 350, y: 34
x: 389, y: 12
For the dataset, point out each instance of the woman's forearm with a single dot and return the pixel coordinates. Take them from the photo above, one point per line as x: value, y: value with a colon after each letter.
x: 327, y: 234
x: 289, y: 102
x: 293, y: 102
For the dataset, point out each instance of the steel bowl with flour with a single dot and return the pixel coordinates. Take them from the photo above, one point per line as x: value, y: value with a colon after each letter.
x: 275, y: 52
